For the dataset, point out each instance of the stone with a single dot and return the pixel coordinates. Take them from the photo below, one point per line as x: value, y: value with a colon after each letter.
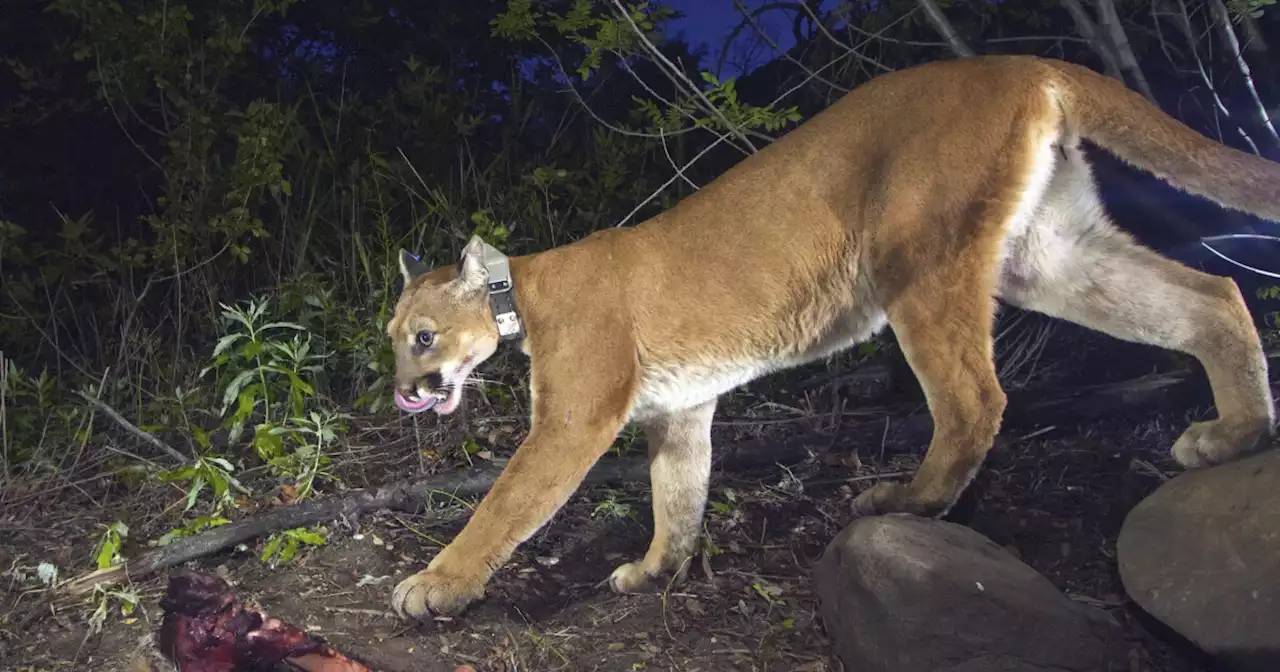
x: 1201, y: 554
x: 899, y: 592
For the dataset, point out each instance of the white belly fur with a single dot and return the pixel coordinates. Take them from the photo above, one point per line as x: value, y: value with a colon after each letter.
x: 669, y: 388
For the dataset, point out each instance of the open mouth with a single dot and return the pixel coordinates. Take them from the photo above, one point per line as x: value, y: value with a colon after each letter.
x: 416, y: 404
x: 444, y: 400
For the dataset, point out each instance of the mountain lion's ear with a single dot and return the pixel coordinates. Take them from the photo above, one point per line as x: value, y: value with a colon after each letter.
x: 471, y: 268
x: 411, y: 266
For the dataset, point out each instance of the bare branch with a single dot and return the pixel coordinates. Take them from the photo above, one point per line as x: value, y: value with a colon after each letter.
x: 750, y: 18
x: 1222, y: 20
x: 879, y: 34
x: 834, y: 40
x: 678, y: 175
x: 133, y: 429
x: 944, y: 28
x: 102, y: 81
x: 672, y: 161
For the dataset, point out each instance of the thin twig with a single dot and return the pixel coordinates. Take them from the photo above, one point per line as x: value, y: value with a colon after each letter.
x: 822, y: 27
x: 678, y: 175
x: 672, y: 161
x: 1246, y: 267
x: 133, y: 429
x: 749, y: 17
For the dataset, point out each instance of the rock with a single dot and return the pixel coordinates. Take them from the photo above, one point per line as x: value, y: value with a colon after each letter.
x: 906, y: 593
x: 1202, y: 555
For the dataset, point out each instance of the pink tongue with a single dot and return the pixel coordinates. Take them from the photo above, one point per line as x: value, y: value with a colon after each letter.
x: 413, y: 406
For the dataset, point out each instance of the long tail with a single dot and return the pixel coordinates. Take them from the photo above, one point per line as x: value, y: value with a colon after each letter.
x: 1126, y: 124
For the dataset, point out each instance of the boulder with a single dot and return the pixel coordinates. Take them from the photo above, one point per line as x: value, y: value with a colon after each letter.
x: 901, y: 593
x: 1202, y: 555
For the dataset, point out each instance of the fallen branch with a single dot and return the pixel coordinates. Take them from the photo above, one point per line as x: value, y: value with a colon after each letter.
x: 1170, y: 391
x: 1181, y: 389
x: 403, y: 495
x: 1028, y: 410
x: 133, y: 429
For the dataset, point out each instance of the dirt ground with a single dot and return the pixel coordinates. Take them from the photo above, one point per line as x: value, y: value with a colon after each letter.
x: 1056, y: 497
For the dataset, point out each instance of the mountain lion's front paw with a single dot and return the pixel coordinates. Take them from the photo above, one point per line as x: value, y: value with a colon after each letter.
x: 435, y: 591
x: 630, y: 578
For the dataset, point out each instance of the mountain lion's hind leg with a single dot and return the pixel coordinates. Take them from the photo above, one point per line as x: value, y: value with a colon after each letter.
x: 943, y: 324
x: 679, y: 469
x: 1108, y: 283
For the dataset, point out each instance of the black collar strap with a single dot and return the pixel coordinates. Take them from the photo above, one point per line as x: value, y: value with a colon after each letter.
x: 501, y: 297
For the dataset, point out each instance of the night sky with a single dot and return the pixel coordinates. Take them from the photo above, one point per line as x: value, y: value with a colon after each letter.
x: 708, y: 22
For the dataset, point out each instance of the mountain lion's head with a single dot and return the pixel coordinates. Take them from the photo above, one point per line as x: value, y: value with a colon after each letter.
x: 443, y: 327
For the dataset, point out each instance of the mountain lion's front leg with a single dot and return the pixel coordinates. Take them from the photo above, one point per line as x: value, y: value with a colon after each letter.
x: 574, y: 422
x: 679, y: 470
x: 539, y: 479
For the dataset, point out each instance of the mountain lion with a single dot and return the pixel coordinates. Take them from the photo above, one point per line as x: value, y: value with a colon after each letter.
x: 916, y: 202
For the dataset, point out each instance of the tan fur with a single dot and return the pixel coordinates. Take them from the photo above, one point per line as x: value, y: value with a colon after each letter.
x: 915, y: 201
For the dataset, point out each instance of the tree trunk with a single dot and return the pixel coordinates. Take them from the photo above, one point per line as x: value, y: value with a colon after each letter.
x: 1114, y: 30
x: 1089, y: 31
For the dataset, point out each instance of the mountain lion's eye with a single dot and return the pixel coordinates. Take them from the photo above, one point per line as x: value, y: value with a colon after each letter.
x: 426, y: 338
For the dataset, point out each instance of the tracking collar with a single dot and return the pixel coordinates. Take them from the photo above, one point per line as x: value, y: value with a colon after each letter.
x: 501, y: 297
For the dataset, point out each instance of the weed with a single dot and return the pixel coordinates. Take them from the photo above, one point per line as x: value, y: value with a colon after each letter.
x: 281, y: 547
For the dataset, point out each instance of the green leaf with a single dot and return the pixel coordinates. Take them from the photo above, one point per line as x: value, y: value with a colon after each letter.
x: 290, y: 549
x: 221, y: 462
x: 284, y: 325
x: 251, y: 349
x: 268, y: 444
x: 233, y: 389
x: 180, y: 474
x: 273, y: 545
x: 307, y: 536
x: 197, y: 484
x: 218, y: 482
x: 226, y: 342
x: 301, y: 384
x: 107, y: 553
